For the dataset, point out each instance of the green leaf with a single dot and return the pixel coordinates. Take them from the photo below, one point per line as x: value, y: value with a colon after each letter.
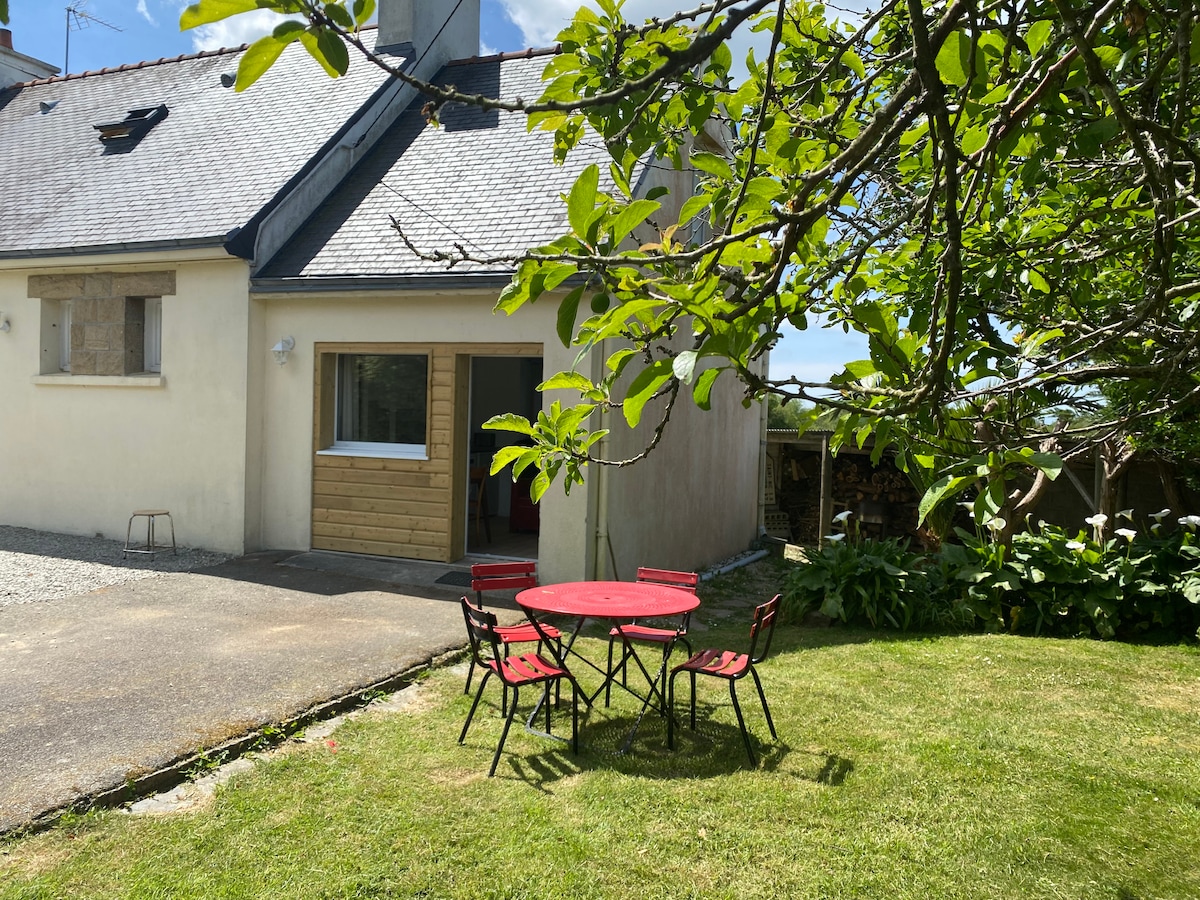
x: 504, y: 456
x: 1037, y: 35
x: 692, y: 208
x: 363, y: 10
x: 632, y: 216
x: 1049, y: 463
x: 510, y: 422
x: 582, y: 199
x: 261, y: 55
x: 568, y: 309
x: 954, y: 59
x: 854, y: 63
x: 207, y: 11
x: 702, y: 392
x: 570, y: 380
x: 4, y: 12
x: 648, y: 381
x: 1037, y: 281
x: 539, y: 486
x: 338, y: 14
x: 329, y: 50
x: 940, y: 490
x: 713, y: 164
x: 974, y: 140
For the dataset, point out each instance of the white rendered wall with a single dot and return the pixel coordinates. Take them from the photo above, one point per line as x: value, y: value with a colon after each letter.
x: 284, y: 397
x: 79, y: 458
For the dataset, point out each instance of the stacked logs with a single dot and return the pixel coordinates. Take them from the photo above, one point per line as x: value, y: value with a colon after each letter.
x: 881, y: 497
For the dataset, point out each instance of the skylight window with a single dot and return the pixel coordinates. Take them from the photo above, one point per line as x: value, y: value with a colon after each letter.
x: 133, y: 127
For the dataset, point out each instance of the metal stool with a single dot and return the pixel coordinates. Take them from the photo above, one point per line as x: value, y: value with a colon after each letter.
x: 150, y: 547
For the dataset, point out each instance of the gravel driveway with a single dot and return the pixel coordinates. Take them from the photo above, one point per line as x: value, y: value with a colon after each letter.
x: 39, y: 566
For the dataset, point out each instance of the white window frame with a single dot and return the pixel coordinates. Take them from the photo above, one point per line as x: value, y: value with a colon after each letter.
x: 152, y: 330
x: 64, y: 335
x: 376, y: 449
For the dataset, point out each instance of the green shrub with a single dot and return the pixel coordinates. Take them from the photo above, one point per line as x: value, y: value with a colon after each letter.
x: 1048, y: 582
x: 869, y: 582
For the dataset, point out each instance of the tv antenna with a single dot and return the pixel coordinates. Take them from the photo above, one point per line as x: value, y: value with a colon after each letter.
x: 77, y: 20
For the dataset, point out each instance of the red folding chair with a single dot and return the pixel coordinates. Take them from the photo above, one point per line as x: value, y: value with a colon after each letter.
x: 732, y: 666
x: 503, y: 577
x: 514, y: 672
x: 664, y: 637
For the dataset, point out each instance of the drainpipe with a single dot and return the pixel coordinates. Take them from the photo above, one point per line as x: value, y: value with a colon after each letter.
x: 762, y: 469
x: 601, y: 553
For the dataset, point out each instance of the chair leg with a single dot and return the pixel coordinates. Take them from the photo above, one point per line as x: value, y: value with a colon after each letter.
x: 470, y: 673
x: 504, y: 734
x: 693, y: 674
x: 671, y: 710
x: 662, y: 694
x: 741, y: 721
x: 462, y: 737
x: 763, y: 698
x: 609, y: 677
x: 574, y: 720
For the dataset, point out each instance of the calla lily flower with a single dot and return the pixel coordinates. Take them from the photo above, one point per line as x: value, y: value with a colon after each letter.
x: 1097, y: 521
x: 1160, y: 515
x: 843, y: 516
x: 835, y: 537
x: 1126, y: 514
x: 1128, y: 533
x: 1076, y: 545
x: 1190, y: 522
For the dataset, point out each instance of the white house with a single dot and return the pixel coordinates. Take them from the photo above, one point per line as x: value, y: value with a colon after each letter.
x: 162, y: 234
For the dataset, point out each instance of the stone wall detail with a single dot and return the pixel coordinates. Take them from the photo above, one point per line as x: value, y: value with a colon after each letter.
x: 108, y: 316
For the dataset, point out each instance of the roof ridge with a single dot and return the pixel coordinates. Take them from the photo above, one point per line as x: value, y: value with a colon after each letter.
x: 204, y: 54
x: 129, y: 67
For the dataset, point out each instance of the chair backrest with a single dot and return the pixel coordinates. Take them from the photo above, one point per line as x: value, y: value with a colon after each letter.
x: 481, y: 629
x: 685, y: 580
x: 503, y: 576
x: 763, y: 628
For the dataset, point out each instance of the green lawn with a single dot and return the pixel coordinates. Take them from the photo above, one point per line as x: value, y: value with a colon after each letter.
x: 926, y: 767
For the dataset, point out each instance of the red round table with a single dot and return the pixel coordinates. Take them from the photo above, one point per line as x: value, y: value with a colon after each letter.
x: 619, y: 601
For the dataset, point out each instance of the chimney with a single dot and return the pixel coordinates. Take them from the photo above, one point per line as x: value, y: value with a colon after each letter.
x: 17, y: 67
x: 429, y: 32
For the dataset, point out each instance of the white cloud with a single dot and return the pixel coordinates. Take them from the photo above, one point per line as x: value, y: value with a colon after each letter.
x: 145, y: 13
x: 236, y: 30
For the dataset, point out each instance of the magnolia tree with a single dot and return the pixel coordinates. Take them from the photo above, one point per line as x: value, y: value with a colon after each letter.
x: 1000, y: 196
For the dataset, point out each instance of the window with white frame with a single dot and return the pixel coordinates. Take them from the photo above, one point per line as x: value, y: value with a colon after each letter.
x: 153, y: 335
x: 382, y: 405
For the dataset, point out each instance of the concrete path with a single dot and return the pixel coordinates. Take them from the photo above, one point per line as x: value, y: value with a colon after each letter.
x: 105, y: 689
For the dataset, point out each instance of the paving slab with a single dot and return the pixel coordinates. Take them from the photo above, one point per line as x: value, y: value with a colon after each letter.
x: 101, y: 689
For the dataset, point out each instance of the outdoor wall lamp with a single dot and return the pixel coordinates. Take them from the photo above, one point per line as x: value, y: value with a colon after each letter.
x: 5, y: 324
x: 282, y: 349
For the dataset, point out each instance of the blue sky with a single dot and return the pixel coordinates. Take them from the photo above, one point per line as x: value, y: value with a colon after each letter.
x: 149, y: 29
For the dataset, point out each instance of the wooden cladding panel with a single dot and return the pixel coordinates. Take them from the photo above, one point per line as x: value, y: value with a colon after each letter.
x: 398, y: 507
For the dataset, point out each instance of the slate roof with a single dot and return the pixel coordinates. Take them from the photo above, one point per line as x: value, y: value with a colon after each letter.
x: 204, y: 171
x: 480, y: 180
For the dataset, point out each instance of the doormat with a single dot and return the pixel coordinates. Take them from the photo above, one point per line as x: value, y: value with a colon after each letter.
x: 458, y: 579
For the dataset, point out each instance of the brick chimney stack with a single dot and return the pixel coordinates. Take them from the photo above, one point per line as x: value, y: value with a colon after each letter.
x: 17, y: 67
